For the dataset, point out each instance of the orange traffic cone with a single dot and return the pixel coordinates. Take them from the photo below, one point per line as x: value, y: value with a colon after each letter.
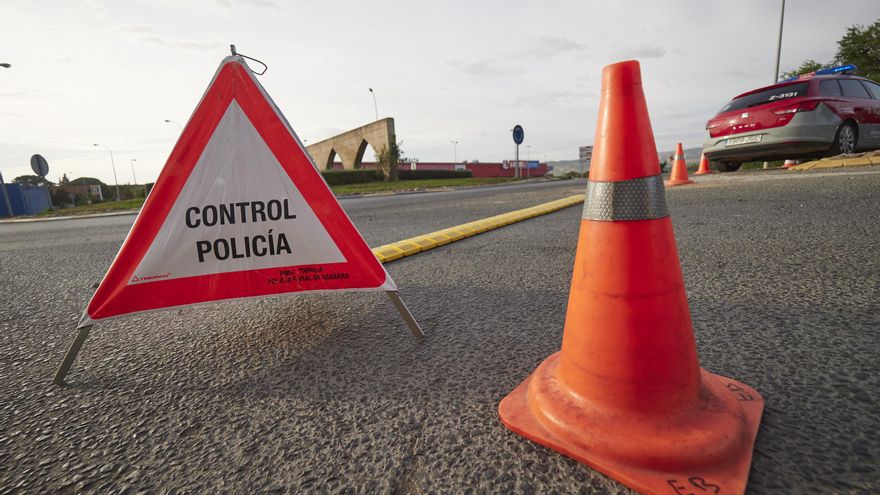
x: 679, y: 174
x: 704, y: 166
x: 626, y: 394
x: 789, y: 163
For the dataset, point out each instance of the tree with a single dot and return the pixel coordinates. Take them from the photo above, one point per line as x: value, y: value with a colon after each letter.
x: 30, y: 180
x: 86, y: 180
x: 91, y: 181
x: 806, y: 67
x: 860, y: 46
x: 387, y: 160
x: 64, y: 180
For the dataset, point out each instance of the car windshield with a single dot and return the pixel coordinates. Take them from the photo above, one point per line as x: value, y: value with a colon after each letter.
x: 777, y: 93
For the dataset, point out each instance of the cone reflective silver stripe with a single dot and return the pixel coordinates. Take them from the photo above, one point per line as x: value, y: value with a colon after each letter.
x: 636, y: 199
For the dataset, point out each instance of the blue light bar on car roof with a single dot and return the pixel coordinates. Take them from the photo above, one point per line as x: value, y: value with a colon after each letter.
x: 835, y: 70
x: 824, y: 72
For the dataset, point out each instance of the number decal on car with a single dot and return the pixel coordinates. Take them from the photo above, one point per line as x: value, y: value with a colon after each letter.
x: 782, y: 96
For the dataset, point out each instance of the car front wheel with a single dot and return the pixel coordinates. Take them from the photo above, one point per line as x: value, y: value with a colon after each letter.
x: 845, y: 140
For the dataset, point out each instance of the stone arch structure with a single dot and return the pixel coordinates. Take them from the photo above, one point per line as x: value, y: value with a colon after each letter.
x: 350, y: 146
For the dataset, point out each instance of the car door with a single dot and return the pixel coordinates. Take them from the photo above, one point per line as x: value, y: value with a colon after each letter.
x: 863, y: 106
x: 873, y: 127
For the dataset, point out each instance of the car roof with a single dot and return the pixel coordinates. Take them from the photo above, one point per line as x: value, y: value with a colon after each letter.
x: 797, y: 81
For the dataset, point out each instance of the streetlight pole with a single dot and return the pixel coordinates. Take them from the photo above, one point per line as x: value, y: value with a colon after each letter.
x: 132, y: 174
x: 135, y: 178
x: 112, y: 163
x: 169, y: 121
x: 375, y: 106
x: 779, y: 43
x: 778, y: 53
x: 454, y: 152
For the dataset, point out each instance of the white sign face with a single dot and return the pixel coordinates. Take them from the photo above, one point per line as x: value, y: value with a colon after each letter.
x: 239, y: 210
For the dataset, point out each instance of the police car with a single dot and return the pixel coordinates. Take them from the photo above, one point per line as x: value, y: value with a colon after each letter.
x: 827, y: 112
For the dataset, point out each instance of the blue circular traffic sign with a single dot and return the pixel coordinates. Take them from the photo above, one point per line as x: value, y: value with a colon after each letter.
x: 518, y: 134
x: 39, y: 165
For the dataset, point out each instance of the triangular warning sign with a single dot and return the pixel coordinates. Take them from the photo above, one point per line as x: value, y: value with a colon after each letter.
x: 238, y: 211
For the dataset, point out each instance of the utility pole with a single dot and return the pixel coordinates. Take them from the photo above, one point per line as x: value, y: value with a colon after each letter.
x: 778, y: 54
x: 132, y: 171
x: 113, y: 163
x: 779, y: 43
x: 169, y: 121
x: 375, y: 106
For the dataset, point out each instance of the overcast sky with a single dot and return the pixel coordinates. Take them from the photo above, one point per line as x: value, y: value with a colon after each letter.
x: 110, y: 72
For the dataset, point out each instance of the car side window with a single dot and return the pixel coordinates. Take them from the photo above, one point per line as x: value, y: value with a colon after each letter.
x: 852, y: 88
x: 829, y: 88
x: 874, y: 88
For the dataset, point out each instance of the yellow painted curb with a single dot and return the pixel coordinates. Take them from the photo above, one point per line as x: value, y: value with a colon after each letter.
x: 859, y: 161
x: 830, y: 164
x: 425, y: 242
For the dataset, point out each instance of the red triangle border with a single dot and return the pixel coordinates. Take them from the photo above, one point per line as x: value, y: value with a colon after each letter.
x: 233, y: 80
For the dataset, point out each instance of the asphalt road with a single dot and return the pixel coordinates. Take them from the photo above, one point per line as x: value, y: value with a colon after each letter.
x: 330, y: 393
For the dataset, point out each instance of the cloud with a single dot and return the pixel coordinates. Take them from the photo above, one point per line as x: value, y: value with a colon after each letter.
x: 541, y: 49
x: 263, y: 4
x: 146, y: 34
x: 738, y: 73
x: 135, y: 29
x: 484, y: 66
x: 319, y: 134
x: 266, y: 4
x: 561, y: 98
x: 643, y: 51
x: 25, y: 94
x: 548, y: 46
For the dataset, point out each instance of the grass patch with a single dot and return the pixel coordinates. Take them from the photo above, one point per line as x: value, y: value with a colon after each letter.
x: 404, y: 185
x: 105, y: 207
x: 760, y: 165
x: 364, y: 188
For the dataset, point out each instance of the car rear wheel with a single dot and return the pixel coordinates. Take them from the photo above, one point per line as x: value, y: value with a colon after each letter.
x: 726, y: 166
x: 845, y: 140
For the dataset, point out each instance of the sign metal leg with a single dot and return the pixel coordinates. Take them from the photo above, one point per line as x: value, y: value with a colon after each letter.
x: 404, y: 312
x: 71, y: 354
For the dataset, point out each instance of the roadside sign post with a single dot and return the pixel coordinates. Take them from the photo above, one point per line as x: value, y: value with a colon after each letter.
x: 6, y: 196
x: 518, y: 136
x: 585, y: 154
x: 41, y: 167
x: 516, y: 172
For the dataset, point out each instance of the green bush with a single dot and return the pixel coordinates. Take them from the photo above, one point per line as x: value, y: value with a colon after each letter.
x: 434, y: 174
x: 573, y: 174
x: 340, y: 177
x: 760, y: 165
